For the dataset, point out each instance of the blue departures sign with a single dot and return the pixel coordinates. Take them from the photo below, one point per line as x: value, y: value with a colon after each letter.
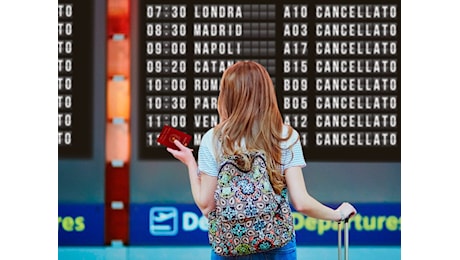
x: 183, y: 224
x: 81, y: 224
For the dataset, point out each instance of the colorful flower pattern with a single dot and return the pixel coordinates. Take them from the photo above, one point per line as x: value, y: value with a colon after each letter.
x: 249, y: 216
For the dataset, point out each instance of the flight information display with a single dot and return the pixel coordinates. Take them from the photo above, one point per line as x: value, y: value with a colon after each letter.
x: 75, y: 80
x: 336, y: 67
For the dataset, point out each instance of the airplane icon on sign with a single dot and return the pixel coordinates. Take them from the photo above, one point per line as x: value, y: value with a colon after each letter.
x: 163, y: 221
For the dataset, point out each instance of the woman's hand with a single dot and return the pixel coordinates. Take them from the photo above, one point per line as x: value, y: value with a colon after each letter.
x: 184, y: 154
x: 347, y: 210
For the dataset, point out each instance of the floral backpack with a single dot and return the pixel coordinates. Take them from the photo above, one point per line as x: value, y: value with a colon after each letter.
x: 249, y: 216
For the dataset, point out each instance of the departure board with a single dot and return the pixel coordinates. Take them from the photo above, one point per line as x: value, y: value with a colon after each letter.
x: 336, y: 67
x: 75, y: 80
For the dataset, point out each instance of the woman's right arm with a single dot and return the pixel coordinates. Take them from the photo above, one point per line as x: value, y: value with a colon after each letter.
x: 202, y: 186
x: 304, y: 203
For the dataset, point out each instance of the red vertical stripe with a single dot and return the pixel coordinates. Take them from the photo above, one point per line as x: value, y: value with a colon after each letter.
x: 117, y: 169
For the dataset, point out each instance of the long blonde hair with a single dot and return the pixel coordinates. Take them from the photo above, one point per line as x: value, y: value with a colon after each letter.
x: 248, y: 111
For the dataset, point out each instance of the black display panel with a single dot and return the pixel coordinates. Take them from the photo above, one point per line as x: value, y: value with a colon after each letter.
x: 336, y: 66
x: 75, y: 78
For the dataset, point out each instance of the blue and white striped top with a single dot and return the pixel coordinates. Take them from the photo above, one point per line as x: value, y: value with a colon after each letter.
x: 207, y: 160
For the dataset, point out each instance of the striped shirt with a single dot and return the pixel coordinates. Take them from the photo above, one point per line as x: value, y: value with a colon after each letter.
x: 207, y: 160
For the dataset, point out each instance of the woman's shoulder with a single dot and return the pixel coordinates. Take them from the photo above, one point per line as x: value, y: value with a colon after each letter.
x: 207, y: 137
x: 292, y: 139
x: 207, y: 145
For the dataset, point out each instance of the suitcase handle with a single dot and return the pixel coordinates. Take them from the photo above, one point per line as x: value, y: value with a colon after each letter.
x: 346, y: 238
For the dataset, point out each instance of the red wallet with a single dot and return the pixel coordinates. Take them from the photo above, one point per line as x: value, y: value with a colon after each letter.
x: 169, y: 134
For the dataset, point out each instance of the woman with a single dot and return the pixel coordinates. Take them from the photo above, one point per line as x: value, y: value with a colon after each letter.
x: 251, y: 121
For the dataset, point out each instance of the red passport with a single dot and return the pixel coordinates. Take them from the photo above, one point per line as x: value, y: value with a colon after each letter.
x: 169, y: 134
